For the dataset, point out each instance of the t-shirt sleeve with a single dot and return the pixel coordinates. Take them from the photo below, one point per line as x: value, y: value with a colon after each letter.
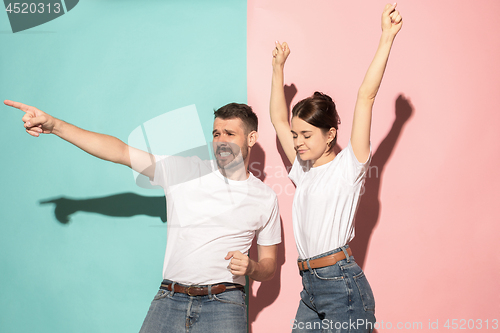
x: 172, y: 170
x: 354, y: 171
x: 160, y: 171
x: 296, y: 172
x: 270, y: 233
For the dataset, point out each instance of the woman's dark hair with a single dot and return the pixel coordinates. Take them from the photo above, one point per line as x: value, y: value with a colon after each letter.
x: 318, y: 110
x: 241, y: 111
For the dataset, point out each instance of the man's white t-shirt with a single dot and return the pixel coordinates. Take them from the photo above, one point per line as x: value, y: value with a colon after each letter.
x: 209, y: 215
x: 325, y: 202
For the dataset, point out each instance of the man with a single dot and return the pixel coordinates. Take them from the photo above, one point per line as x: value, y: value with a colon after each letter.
x: 214, y: 210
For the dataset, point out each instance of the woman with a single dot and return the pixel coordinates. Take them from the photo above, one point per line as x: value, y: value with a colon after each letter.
x: 336, y: 295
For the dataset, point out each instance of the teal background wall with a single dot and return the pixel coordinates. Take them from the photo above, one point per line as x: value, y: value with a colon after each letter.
x: 106, y: 66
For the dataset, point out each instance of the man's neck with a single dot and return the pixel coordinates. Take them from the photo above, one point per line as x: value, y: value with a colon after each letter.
x: 238, y: 174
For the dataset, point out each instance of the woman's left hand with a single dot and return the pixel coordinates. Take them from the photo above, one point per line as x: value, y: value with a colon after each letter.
x: 391, y: 19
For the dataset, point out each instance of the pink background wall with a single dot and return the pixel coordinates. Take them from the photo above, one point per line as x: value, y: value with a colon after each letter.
x: 429, y: 222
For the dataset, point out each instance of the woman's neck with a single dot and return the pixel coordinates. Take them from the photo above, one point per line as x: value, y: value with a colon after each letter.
x: 325, y: 158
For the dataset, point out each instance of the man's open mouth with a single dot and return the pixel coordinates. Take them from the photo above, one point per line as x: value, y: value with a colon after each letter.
x: 224, y: 152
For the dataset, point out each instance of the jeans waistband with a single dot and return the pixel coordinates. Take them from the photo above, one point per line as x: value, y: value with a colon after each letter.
x: 201, y: 290
x: 339, y: 249
x: 227, y: 284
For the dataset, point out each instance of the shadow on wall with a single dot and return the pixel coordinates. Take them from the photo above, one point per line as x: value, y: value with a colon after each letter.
x: 119, y: 205
x: 269, y: 290
x: 369, y: 208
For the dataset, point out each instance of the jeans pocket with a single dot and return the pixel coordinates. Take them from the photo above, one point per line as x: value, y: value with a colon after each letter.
x: 160, y: 294
x: 365, y: 291
x: 328, y: 273
x: 231, y: 297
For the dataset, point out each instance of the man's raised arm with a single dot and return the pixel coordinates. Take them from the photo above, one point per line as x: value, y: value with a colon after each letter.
x: 103, y: 146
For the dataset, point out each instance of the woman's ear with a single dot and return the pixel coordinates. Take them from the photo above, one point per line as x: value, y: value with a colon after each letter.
x: 332, y: 133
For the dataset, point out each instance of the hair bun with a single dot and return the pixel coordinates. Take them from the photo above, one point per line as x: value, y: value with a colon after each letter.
x: 318, y: 94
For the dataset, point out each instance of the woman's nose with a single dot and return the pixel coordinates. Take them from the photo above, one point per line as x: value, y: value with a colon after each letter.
x: 298, y: 142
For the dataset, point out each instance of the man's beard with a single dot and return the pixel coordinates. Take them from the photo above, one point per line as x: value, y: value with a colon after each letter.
x: 238, y: 156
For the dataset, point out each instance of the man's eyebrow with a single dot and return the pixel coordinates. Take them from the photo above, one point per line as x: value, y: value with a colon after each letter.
x: 224, y: 130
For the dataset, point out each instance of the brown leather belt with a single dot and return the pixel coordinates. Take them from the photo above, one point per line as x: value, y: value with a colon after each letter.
x: 332, y: 259
x: 202, y: 290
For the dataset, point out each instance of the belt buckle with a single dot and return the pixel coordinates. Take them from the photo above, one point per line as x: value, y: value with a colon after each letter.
x: 189, y: 291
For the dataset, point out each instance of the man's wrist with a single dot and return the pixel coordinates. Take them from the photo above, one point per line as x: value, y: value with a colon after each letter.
x: 58, y: 126
x: 252, y: 267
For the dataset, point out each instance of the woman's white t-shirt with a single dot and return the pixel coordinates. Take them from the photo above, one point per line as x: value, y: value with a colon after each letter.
x: 325, y: 202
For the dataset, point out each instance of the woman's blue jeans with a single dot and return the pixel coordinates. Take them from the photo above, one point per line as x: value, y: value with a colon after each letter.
x: 175, y: 312
x: 335, y: 298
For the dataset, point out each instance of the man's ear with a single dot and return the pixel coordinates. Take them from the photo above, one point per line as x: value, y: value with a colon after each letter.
x: 252, y: 138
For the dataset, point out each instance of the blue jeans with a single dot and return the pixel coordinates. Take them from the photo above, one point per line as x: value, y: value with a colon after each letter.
x: 175, y: 312
x: 335, y: 298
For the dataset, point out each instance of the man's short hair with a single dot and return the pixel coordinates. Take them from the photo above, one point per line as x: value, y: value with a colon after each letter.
x: 241, y: 111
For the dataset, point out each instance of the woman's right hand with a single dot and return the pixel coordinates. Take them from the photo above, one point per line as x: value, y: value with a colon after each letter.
x: 280, y: 53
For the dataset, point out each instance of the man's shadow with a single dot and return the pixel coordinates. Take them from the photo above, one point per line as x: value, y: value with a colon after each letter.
x: 368, y: 213
x: 118, y: 205
x: 268, y: 290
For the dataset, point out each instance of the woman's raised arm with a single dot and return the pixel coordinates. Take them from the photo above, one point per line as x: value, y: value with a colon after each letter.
x: 360, y: 134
